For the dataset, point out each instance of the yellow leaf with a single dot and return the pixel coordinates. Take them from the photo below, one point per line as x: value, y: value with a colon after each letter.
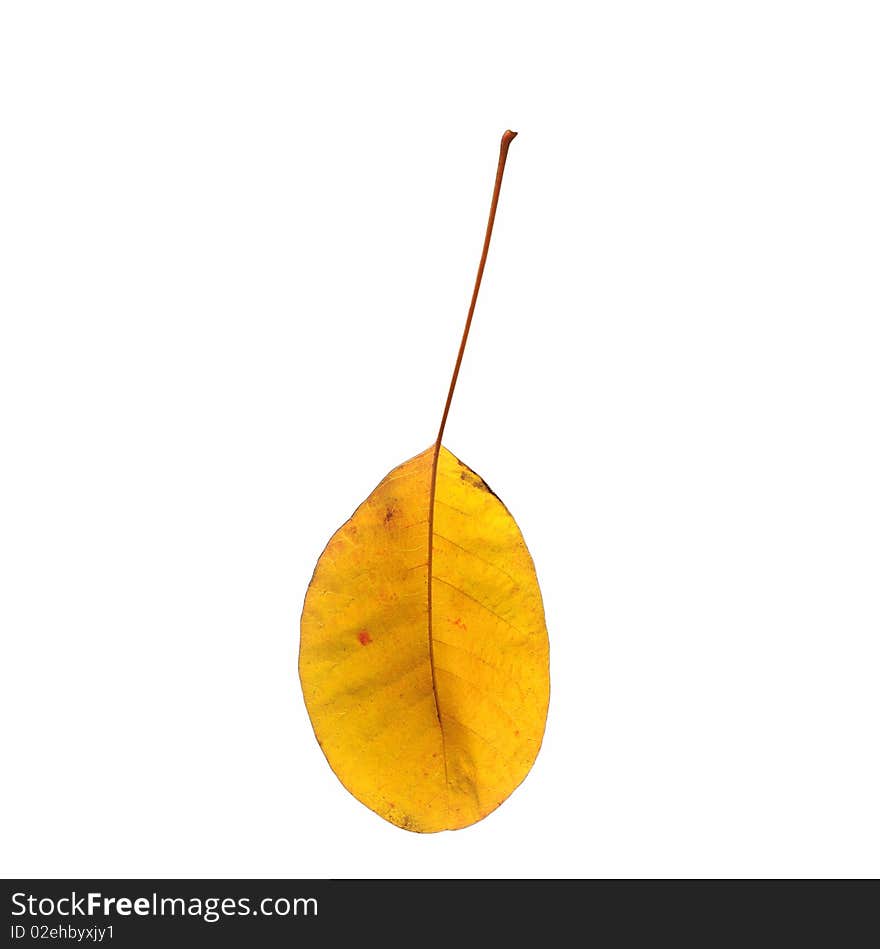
x: 429, y: 742
x: 423, y: 649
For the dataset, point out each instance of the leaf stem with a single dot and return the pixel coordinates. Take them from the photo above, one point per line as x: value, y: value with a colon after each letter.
x: 506, y: 139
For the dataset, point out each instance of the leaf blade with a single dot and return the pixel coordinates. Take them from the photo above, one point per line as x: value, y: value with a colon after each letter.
x: 367, y: 638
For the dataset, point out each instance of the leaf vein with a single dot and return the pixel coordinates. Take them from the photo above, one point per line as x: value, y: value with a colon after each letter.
x: 488, y: 609
x: 481, y: 691
x: 478, y: 557
x: 452, y: 508
x: 501, y: 672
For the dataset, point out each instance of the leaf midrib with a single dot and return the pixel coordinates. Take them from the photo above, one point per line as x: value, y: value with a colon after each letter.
x: 431, y: 497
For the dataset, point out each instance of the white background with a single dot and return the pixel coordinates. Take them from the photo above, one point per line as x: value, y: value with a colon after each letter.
x: 238, y: 242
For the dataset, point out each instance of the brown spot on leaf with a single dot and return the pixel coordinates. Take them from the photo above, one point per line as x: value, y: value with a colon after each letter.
x: 472, y: 478
x: 364, y: 638
x: 389, y: 514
